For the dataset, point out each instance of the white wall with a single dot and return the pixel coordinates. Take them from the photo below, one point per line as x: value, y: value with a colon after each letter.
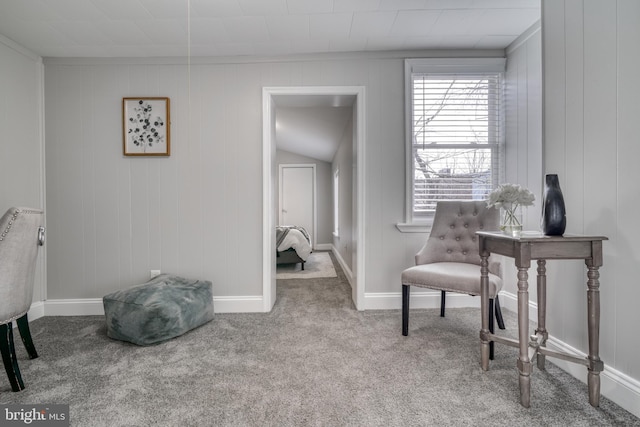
x: 591, y: 110
x: 324, y: 200
x: 21, y: 146
x: 523, y: 148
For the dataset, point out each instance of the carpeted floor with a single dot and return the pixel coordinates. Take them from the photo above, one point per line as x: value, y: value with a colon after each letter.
x: 312, y: 361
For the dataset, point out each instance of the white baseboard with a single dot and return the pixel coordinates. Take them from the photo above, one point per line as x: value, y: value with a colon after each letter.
x: 345, y: 268
x: 418, y: 299
x: 36, y: 311
x: 94, y: 306
x: 74, y: 307
x: 238, y: 304
x: 614, y: 385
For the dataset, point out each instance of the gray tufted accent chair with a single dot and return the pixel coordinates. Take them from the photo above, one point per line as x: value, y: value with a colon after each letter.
x: 450, y: 260
x: 22, y: 231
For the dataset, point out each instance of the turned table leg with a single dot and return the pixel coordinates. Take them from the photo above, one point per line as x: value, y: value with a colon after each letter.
x: 542, y: 309
x: 593, y: 313
x: 484, y: 310
x: 524, y: 363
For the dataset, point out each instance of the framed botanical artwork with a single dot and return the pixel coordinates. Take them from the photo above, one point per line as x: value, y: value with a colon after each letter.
x: 146, y: 127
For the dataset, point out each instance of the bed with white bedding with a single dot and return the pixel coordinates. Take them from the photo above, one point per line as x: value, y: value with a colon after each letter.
x: 293, y: 245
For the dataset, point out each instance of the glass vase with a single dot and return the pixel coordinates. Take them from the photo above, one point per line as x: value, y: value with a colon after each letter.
x: 511, y: 220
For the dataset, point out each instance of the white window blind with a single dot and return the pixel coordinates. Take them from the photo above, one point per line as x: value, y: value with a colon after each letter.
x: 455, y: 131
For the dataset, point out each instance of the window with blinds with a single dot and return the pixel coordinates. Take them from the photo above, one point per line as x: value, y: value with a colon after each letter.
x: 456, y: 121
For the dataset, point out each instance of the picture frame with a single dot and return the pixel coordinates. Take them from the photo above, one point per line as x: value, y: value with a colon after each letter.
x: 146, y: 126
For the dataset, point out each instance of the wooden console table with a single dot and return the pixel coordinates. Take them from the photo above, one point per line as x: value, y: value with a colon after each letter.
x: 541, y: 248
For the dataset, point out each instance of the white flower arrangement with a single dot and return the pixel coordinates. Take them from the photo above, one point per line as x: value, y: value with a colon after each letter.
x: 510, y: 197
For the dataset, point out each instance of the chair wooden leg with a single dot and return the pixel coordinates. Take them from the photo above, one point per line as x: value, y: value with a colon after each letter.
x: 405, y: 310
x: 499, y: 317
x: 491, y: 328
x: 9, y: 357
x: 442, y: 301
x: 25, y: 334
x: 302, y: 263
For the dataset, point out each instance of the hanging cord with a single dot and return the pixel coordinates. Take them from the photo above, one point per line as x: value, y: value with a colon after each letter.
x: 188, y: 70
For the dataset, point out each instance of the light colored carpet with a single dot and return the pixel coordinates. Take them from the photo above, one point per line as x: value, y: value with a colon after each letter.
x: 312, y: 361
x: 318, y: 265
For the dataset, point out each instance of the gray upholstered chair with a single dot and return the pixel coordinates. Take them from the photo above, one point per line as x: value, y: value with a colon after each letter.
x: 450, y: 260
x: 22, y: 232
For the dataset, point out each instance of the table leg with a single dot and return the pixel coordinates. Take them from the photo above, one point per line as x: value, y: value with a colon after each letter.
x: 524, y: 363
x: 593, y: 312
x: 542, y: 309
x: 484, y: 310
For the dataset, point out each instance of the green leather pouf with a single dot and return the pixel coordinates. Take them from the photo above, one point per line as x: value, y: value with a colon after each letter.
x: 165, y: 307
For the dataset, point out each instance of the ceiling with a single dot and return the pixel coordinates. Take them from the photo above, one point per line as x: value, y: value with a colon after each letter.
x: 161, y: 28
x: 230, y: 28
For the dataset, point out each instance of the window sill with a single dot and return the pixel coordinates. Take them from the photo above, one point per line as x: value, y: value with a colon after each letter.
x: 414, y: 227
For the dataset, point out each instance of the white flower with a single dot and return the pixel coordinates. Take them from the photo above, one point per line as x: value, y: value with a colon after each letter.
x: 510, y: 196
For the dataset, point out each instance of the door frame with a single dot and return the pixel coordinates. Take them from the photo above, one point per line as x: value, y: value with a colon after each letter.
x: 268, y: 186
x: 314, y: 209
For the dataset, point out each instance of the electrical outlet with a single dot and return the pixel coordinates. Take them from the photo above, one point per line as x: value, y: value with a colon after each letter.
x: 154, y: 273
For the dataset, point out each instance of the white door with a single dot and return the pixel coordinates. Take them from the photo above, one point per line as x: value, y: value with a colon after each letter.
x: 297, y: 188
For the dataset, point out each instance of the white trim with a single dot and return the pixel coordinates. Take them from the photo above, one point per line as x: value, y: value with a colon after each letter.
x: 509, y: 301
x: 43, y: 177
x: 20, y: 49
x: 418, y: 299
x: 268, y: 214
x: 522, y: 38
x: 336, y: 203
x: 36, y: 311
x: 95, y: 307
x: 74, y: 307
x: 268, y: 147
x: 433, y: 65
x: 238, y: 304
x: 345, y: 268
x: 314, y: 57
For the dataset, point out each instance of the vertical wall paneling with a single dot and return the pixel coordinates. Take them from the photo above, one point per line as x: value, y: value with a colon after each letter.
x: 627, y: 237
x: 198, y: 212
x: 21, y: 146
x: 553, y: 54
x: 590, y: 111
x: 523, y: 135
x: 600, y: 143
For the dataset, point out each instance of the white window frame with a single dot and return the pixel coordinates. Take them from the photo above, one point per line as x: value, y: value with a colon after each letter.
x: 439, y: 66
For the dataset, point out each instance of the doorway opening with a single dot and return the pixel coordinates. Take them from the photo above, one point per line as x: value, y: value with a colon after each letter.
x: 274, y: 97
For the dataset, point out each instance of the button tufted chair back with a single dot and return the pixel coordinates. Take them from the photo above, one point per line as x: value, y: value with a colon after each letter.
x: 453, y: 237
x: 450, y: 260
x: 21, y: 233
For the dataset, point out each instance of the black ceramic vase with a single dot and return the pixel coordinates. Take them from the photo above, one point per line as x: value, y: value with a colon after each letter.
x: 554, y: 215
